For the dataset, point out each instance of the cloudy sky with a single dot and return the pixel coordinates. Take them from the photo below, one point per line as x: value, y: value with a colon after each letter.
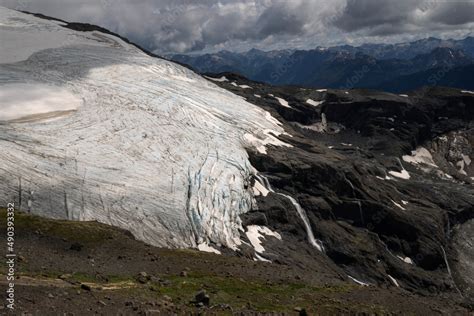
x: 167, y: 26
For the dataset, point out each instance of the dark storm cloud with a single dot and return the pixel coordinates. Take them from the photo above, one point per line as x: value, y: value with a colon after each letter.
x: 454, y: 13
x: 194, y: 25
x: 281, y: 18
x: 387, y: 17
x: 360, y: 14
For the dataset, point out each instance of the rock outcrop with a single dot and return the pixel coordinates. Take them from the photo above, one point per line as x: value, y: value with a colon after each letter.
x: 388, y: 195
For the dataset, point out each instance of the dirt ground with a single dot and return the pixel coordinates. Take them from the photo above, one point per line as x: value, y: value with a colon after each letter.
x: 86, y: 268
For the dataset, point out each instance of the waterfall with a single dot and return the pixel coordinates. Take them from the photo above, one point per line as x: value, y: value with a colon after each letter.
x: 357, y: 200
x: 301, y: 212
x: 265, y: 182
x: 324, y: 122
x: 449, y: 271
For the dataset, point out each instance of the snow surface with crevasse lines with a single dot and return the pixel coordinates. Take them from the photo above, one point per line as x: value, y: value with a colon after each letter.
x: 152, y: 148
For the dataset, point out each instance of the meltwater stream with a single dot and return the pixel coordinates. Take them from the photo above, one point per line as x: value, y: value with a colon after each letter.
x: 312, y: 240
x: 357, y: 201
x: 301, y: 212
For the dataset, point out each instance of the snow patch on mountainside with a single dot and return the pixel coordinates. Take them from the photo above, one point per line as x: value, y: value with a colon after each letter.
x: 402, y: 174
x: 358, y: 281
x: 206, y: 248
x: 260, y: 189
x: 244, y: 86
x: 283, y: 102
x: 420, y: 156
x: 255, y: 234
x: 268, y: 137
x: 314, y: 103
x: 150, y: 146
x: 221, y: 79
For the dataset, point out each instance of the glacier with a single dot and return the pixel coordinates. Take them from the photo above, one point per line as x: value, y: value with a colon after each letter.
x: 92, y: 128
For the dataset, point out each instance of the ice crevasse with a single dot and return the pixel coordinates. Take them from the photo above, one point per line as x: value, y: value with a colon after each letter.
x: 92, y: 128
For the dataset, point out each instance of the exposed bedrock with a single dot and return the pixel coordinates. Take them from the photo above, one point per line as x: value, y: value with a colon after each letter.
x: 383, y: 214
x: 364, y: 229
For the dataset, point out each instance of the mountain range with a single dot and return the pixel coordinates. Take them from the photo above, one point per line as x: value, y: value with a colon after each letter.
x: 429, y: 62
x: 410, y: 49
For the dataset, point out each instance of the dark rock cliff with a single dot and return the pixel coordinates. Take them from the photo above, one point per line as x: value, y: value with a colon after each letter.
x: 381, y: 218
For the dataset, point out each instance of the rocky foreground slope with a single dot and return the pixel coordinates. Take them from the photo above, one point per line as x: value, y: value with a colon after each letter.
x: 361, y: 187
x: 86, y: 268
